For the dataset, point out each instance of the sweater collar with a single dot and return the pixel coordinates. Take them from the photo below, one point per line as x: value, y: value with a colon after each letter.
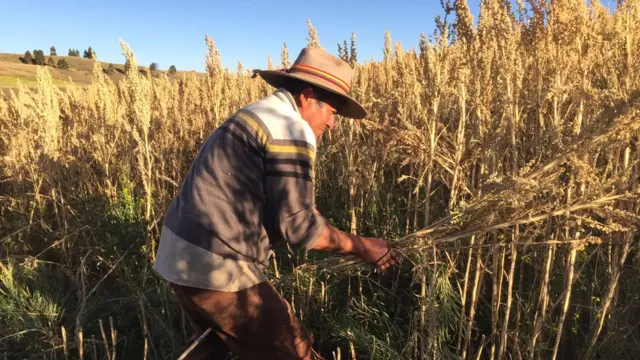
x: 286, y: 97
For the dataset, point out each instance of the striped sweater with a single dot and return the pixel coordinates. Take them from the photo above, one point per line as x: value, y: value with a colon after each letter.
x: 250, y: 186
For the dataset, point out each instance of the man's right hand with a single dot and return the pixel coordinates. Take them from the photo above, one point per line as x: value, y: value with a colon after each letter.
x: 371, y: 250
x: 377, y: 252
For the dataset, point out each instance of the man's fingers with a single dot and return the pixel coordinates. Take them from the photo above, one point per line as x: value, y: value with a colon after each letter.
x: 393, y: 259
x: 384, y: 257
x: 389, y: 258
x: 395, y: 255
x: 388, y: 262
x: 392, y: 256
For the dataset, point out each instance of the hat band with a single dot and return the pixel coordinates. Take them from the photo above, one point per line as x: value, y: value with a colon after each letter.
x: 321, y: 74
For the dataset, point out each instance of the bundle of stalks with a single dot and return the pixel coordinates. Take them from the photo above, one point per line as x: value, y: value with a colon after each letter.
x: 537, y: 194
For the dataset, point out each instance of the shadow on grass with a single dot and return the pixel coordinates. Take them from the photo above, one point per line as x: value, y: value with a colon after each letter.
x: 92, y: 266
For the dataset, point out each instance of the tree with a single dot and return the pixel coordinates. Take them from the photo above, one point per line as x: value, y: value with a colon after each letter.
x: 51, y: 62
x: 153, y: 67
x: 74, y: 52
x: 52, y: 51
x: 342, y: 51
x: 62, y: 64
x: 39, y: 57
x: 89, y: 53
x: 172, y: 69
x: 27, y: 59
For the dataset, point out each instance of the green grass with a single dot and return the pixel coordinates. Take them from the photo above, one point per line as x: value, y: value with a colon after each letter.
x: 30, y: 81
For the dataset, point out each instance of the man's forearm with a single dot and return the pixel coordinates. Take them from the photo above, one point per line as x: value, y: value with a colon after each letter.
x: 372, y: 250
x: 338, y: 241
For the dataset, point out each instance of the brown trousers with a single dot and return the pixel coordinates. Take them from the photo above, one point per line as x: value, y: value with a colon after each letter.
x: 255, y: 323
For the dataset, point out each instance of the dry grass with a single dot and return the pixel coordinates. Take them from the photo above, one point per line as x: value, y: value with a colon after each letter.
x: 502, y: 159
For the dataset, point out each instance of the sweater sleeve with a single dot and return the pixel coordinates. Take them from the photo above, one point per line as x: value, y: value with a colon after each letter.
x: 290, y: 192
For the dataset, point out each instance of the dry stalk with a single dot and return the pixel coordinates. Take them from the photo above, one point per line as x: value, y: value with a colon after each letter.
x: 145, y: 330
x: 510, y: 280
x: 95, y: 349
x: 496, y: 277
x: 624, y: 248
x: 423, y: 313
x: 104, y: 339
x: 463, y: 296
x: 567, y: 298
x: 543, y: 301
x: 80, y: 344
x: 194, y: 344
x: 420, y: 239
x: 113, y: 338
x: 459, y: 141
x: 474, y: 302
x: 64, y: 343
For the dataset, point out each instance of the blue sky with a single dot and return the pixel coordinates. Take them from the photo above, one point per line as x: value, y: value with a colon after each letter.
x: 243, y: 30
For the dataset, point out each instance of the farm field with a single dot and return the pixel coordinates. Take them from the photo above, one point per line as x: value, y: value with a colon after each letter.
x: 501, y: 158
x: 80, y: 71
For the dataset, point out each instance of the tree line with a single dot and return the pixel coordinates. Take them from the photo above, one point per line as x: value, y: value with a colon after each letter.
x: 38, y: 58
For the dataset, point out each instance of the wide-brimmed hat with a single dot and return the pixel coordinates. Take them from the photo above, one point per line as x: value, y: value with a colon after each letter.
x: 319, y: 68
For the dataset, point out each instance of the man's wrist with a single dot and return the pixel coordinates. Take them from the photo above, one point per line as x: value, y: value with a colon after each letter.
x: 348, y: 244
x: 339, y: 241
x: 355, y: 244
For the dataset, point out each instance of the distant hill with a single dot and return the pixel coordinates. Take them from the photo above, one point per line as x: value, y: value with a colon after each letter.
x: 80, y: 71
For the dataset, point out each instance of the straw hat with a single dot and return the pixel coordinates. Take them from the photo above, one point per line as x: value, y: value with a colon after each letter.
x: 326, y: 71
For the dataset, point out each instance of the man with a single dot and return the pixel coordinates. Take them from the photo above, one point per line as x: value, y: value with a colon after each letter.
x: 251, y: 186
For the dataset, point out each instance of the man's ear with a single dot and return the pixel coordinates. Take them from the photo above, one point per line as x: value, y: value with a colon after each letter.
x: 306, y: 96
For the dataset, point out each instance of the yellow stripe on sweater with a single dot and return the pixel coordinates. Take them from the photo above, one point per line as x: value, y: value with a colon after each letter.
x: 291, y: 149
x: 255, y: 126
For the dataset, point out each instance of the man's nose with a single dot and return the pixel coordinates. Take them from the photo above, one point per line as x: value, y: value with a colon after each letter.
x: 331, y: 122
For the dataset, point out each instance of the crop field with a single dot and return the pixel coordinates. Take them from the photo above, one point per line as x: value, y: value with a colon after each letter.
x: 501, y: 157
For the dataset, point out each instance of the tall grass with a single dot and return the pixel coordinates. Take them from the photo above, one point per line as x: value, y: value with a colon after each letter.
x: 519, y: 129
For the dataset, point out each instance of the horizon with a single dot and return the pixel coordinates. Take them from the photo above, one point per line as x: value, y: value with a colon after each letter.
x: 243, y: 32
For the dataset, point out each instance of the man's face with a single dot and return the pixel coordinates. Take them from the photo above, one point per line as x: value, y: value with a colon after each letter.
x: 320, y: 114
